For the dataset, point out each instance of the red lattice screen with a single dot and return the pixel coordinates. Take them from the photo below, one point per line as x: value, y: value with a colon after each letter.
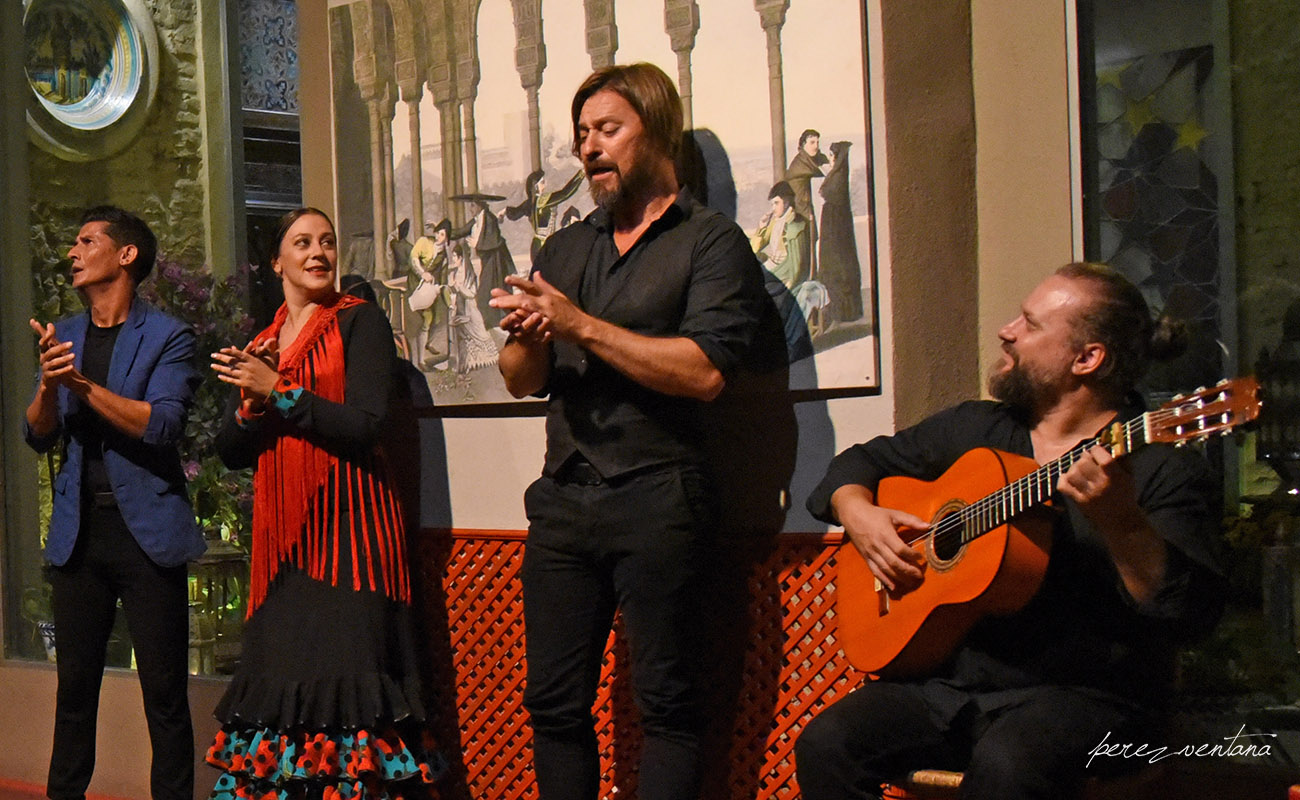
x: 777, y: 664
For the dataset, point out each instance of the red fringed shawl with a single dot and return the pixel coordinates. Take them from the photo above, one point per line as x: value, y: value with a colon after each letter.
x: 295, y: 519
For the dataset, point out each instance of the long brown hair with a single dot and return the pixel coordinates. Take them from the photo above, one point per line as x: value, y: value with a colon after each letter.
x: 651, y: 94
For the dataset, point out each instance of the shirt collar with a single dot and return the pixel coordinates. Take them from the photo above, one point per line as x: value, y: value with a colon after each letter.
x: 679, y: 210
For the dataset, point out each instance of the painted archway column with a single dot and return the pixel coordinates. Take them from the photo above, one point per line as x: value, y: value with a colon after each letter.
x: 371, y: 69
x: 417, y: 159
x: 467, y: 78
x: 411, y: 63
x: 772, y: 15
x: 377, y: 184
x: 682, y: 22
x: 389, y: 110
x: 530, y: 63
x: 602, y: 32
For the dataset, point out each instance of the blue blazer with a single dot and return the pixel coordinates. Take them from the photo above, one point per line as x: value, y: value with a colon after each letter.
x: 152, y: 361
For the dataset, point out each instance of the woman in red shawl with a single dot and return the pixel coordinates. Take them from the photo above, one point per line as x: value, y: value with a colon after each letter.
x: 326, y: 701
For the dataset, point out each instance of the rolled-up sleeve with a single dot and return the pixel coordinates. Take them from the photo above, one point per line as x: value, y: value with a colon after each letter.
x: 724, y: 300
x: 41, y: 443
x: 1181, y: 500
x: 170, y: 391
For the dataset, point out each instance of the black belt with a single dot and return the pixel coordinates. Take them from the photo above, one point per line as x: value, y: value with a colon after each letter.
x: 579, y: 471
x: 103, y: 500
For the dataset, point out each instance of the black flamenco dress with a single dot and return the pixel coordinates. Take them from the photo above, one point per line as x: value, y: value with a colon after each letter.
x: 326, y: 702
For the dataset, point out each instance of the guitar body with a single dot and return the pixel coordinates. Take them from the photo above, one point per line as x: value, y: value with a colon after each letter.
x: 996, y: 573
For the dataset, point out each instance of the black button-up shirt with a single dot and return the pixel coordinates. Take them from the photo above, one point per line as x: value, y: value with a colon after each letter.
x: 690, y: 274
x: 1082, y: 628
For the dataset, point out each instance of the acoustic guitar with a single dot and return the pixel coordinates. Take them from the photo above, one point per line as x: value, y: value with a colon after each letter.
x: 987, y: 546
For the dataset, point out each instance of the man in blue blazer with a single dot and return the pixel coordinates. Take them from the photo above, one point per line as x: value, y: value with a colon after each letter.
x: 115, y: 386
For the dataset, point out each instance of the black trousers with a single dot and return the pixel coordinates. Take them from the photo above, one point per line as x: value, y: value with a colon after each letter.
x: 637, y: 545
x: 108, y: 564
x: 1033, y: 743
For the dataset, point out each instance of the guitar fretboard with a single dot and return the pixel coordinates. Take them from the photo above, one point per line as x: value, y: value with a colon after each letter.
x: 996, y: 509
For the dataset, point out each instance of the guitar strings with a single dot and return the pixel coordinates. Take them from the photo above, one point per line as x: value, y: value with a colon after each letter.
x: 998, y: 505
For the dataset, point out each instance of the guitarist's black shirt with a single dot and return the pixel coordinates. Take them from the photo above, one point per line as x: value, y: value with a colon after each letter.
x: 1082, y: 628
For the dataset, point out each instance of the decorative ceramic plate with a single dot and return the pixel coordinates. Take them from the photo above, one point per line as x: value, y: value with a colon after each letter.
x: 93, y: 69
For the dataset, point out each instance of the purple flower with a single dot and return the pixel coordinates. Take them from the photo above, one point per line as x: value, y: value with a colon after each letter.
x: 191, y: 470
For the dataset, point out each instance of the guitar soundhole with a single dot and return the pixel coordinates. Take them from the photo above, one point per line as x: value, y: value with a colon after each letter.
x: 946, y: 548
x: 945, y: 545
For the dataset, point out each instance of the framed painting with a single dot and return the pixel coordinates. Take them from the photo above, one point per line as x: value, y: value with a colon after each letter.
x: 453, y: 160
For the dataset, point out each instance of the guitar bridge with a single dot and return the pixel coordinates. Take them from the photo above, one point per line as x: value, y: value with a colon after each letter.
x: 882, y: 598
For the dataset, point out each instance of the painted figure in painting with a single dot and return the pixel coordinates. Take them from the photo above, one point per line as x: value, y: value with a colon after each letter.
x: 781, y: 241
x: 116, y: 384
x: 1132, y: 573
x: 632, y: 320
x: 540, y: 206
x: 428, y: 273
x: 400, y: 247
x: 471, y: 346
x: 491, y: 251
x: 838, y: 266
x: 806, y: 165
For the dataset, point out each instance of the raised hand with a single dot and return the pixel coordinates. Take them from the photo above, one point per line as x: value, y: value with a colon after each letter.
x: 58, y: 362
x: 253, y: 368
x: 538, y: 309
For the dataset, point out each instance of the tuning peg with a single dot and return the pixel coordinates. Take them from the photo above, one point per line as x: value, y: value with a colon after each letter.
x: 1223, y: 382
x: 1199, y: 389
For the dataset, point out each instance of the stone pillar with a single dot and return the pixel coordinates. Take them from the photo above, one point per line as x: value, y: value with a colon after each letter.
x: 388, y: 107
x: 471, y: 146
x: 372, y: 71
x: 602, y: 33
x: 682, y: 22
x: 530, y: 62
x: 451, y: 163
x: 377, y: 188
x: 417, y: 163
x: 442, y: 85
x: 467, y: 77
x: 772, y: 15
x: 411, y: 50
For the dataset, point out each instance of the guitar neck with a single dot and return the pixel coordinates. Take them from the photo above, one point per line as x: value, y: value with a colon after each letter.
x: 1036, y: 488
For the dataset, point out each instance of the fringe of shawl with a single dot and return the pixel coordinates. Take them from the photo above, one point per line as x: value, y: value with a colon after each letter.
x: 291, y: 519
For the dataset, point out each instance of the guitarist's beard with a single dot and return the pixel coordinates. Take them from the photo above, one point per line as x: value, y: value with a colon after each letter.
x: 1016, y: 388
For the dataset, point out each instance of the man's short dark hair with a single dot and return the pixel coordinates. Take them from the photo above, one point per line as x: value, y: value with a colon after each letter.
x: 803, y: 137
x: 125, y: 228
x: 783, y: 190
x: 651, y: 94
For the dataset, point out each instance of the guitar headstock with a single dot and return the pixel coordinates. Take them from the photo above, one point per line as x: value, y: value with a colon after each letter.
x: 1195, y: 417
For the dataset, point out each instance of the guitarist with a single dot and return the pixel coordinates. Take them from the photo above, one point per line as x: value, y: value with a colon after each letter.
x: 1025, y: 697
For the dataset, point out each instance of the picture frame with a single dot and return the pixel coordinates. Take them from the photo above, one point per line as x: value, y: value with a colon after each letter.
x: 478, y: 94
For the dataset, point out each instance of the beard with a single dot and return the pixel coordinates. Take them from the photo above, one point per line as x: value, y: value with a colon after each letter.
x: 626, y: 186
x: 1016, y: 387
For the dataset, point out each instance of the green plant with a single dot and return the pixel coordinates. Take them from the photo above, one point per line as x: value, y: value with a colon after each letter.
x: 216, y: 311
x: 38, y: 603
x: 1265, y: 522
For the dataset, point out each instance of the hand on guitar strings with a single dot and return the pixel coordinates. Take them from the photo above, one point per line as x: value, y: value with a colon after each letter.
x: 874, y: 533
x: 1102, y: 486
